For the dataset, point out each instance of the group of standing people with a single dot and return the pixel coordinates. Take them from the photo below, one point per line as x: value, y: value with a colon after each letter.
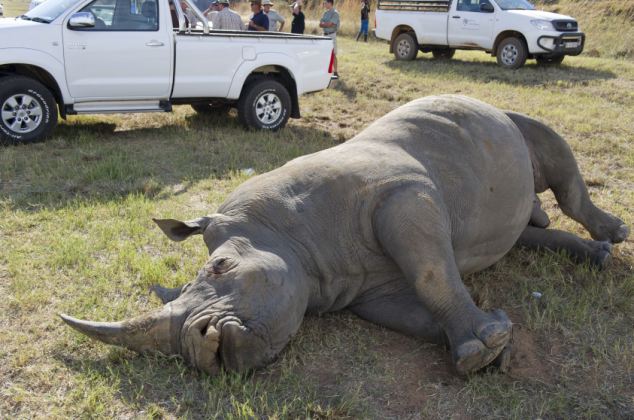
x: 264, y: 18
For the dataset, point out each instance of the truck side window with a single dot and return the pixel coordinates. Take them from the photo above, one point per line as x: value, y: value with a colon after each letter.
x: 470, y: 5
x: 123, y: 15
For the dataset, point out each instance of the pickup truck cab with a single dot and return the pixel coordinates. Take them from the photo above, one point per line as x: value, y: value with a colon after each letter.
x: 120, y: 56
x: 511, y: 30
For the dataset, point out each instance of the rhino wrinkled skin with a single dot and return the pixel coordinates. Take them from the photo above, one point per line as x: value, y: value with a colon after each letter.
x: 384, y: 225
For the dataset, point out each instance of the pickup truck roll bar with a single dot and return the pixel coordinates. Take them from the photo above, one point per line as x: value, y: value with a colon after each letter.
x: 182, y: 22
x: 415, y: 5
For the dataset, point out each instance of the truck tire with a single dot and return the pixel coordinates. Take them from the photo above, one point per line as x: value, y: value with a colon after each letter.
x: 550, y: 61
x: 211, y: 108
x: 443, y: 53
x: 512, y: 53
x: 405, y: 46
x: 265, y: 104
x: 28, y: 111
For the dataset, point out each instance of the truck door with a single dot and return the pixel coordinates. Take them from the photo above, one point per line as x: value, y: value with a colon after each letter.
x: 127, y: 54
x: 471, y: 24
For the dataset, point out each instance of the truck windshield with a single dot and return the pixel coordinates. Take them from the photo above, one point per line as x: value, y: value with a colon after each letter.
x: 515, y: 5
x: 48, y: 11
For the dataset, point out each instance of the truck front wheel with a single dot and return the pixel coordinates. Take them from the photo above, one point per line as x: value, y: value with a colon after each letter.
x: 405, y: 46
x: 512, y: 53
x: 28, y: 111
x: 265, y: 104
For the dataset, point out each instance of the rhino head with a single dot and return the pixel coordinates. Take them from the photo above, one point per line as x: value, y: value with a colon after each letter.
x: 240, y: 311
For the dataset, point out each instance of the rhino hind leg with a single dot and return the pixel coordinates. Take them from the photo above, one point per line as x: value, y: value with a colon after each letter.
x: 555, y: 167
x: 413, y: 231
x: 596, y: 253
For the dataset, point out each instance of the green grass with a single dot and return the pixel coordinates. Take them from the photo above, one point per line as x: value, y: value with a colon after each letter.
x: 76, y: 236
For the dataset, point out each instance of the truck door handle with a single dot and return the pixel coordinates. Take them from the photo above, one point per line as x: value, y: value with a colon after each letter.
x: 456, y: 17
x: 154, y: 43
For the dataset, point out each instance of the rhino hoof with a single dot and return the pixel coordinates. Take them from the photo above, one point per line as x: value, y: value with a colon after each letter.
x: 502, y: 363
x: 497, y: 333
x: 473, y: 356
x: 620, y: 234
x: 601, y: 254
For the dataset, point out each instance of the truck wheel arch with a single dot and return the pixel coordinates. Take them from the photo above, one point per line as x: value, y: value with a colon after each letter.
x: 39, y: 74
x: 397, y: 31
x: 281, y: 75
x: 506, y: 34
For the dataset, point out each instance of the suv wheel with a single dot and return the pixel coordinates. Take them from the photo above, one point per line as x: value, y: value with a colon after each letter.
x: 405, y: 46
x: 28, y: 111
x: 265, y: 104
x: 512, y: 53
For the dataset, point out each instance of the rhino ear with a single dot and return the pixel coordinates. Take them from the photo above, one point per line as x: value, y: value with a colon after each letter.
x: 179, y: 231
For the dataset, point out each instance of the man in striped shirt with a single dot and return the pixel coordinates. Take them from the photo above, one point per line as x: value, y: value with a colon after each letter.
x: 226, y: 18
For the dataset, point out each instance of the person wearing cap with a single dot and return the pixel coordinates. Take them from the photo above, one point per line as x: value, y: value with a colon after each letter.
x: 212, y: 10
x: 259, y: 21
x: 298, y: 23
x: 330, y: 24
x: 226, y: 18
x: 273, y: 16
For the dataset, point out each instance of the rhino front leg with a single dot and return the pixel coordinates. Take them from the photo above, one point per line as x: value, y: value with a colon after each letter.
x: 414, y: 230
x: 596, y: 253
x: 555, y: 167
x: 394, y: 305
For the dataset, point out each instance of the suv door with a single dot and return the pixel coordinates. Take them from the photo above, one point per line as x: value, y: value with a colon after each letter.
x: 470, y: 26
x: 125, y: 55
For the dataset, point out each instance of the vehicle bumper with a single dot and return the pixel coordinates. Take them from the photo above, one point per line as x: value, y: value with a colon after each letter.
x: 569, y: 43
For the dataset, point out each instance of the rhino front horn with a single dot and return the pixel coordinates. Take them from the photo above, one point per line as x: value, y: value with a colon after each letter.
x: 142, y: 334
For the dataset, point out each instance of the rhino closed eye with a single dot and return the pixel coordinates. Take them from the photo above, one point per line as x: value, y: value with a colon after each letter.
x: 221, y: 265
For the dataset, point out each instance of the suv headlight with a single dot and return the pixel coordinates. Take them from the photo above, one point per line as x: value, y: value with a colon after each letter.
x: 543, y: 25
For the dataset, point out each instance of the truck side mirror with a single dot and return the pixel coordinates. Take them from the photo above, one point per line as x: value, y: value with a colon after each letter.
x: 81, y: 20
x: 486, y: 8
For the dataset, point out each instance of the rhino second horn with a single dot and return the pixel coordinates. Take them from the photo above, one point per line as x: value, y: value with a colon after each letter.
x: 142, y: 334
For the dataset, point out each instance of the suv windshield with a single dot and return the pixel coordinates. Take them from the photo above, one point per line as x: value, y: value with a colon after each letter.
x: 515, y: 5
x: 48, y: 11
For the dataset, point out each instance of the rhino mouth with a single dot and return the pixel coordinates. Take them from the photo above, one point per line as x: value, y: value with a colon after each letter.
x: 204, y: 341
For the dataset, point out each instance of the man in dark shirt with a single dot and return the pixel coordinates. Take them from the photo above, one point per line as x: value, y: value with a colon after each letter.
x: 297, y: 26
x: 259, y: 21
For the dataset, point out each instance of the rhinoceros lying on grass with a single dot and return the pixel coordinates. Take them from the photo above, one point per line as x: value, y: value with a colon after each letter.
x: 384, y: 224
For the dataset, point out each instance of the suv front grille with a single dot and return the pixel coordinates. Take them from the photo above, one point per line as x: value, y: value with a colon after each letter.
x: 565, y: 25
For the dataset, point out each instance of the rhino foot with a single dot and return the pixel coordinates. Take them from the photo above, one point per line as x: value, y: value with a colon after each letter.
x: 611, y: 229
x: 487, y: 343
x: 600, y: 254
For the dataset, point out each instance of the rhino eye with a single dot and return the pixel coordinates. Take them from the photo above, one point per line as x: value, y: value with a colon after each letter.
x: 220, y: 265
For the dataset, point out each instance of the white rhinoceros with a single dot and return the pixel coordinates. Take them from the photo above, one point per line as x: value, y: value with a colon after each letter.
x: 385, y: 225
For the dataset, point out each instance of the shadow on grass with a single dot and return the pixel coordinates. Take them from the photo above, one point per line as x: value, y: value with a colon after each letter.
x: 88, y: 161
x: 485, y: 72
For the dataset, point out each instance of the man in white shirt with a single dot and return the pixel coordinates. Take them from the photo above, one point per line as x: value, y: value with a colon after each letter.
x: 273, y: 16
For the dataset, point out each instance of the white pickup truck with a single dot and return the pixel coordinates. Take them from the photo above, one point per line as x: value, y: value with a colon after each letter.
x: 512, y: 30
x: 120, y: 56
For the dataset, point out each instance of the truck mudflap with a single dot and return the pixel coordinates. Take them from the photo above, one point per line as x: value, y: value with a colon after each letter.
x: 564, y: 44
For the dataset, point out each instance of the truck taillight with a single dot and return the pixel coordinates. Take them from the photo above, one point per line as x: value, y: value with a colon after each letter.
x: 332, y: 61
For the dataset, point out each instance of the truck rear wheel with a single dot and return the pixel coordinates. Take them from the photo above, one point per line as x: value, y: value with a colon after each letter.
x: 512, y: 53
x: 265, y: 104
x: 443, y: 53
x: 405, y: 46
x: 28, y: 111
